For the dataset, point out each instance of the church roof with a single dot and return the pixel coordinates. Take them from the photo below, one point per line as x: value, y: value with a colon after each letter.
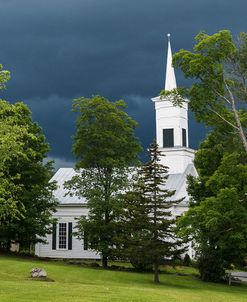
x: 175, y: 182
x: 178, y: 182
x: 61, y: 176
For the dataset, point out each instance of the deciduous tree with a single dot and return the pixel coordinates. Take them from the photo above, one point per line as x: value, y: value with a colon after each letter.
x: 25, y: 186
x: 105, y: 146
x: 219, y: 67
x: 26, y: 202
x: 217, y: 217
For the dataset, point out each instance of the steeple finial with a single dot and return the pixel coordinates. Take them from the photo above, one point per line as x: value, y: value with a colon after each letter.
x: 170, y: 82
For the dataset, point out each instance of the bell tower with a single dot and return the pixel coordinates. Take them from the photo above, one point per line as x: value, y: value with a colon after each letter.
x: 172, y: 125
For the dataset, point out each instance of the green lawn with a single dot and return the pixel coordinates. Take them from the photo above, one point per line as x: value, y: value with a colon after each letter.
x: 75, y: 283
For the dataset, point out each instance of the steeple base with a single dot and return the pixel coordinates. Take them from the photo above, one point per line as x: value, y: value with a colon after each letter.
x: 177, y: 158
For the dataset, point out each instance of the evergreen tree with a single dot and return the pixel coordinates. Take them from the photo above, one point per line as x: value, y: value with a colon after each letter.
x: 148, y: 236
x: 134, y: 239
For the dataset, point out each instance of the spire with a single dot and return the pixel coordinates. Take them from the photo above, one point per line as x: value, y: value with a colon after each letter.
x: 170, y: 74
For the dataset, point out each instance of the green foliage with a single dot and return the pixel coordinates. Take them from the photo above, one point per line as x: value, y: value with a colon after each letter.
x: 217, y: 217
x: 187, y: 260
x: 219, y: 222
x: 140, y: 262
x: 146, y: 222
x: 219, y: 70
x: 104, y: 136
x: 211, y: 266
x: 4, y: 77
x: 102, y: 192
x: 105, y: 147
x: 176, y: 96
x: 8, y: 146
x: 134, y: 241
x: 26, y: 201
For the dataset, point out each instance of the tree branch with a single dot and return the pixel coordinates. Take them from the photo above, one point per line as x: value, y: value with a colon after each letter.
x: 223, y: 97
x: 219, y: 115
x: 236, y: 116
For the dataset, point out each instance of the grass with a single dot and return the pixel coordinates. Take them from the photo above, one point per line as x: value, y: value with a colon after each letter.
x: 76, y: 283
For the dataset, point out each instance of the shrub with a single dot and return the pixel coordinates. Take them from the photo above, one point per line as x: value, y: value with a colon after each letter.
x: 141, y: 264
x: 187, y: 260
x: 211, y: 266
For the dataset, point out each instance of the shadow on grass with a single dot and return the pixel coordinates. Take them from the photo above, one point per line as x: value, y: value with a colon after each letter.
x: 47, y: 279
x: 130, y: 277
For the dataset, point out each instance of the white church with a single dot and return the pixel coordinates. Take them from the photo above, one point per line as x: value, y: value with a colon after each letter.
x: 172, y: 138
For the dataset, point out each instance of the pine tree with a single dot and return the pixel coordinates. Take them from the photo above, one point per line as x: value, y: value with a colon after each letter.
x: 147, y: 221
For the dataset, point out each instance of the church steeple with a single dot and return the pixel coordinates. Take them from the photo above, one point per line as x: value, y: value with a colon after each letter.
x: 170, y: 82
x: 172, y: 125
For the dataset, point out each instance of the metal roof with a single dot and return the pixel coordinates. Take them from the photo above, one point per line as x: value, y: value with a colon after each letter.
x: 63, y: 196
x: 175, y: 182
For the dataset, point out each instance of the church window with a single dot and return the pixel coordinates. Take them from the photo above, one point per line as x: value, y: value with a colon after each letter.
x: 168, y: 138
x: 184, y: 140
x: 62, y: 236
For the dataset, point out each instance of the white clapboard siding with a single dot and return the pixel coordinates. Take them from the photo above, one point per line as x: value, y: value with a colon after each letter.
x: 66, y: 214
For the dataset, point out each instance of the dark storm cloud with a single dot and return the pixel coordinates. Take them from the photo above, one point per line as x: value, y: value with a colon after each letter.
x: 55, y: 116
x: 60, y: 49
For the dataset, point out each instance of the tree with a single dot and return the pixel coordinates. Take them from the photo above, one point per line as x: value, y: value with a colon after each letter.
x: 8, y: 143
x: 219, y: 68
x: 26, y: 201
x: 147, y: 220
x: 134, y: 239
x: 217, y: 217
x: 9, y: 146
x: 105, y: 146
x: 4, y: 77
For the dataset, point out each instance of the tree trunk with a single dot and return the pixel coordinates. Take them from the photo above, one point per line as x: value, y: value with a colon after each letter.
x: 8, y: 245
x: 240, y: 128
x: 156, y: 273
x: 237, y: 119
x: 104, y: 261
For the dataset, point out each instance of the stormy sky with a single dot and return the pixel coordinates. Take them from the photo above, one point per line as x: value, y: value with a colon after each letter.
x: 57, y: 50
